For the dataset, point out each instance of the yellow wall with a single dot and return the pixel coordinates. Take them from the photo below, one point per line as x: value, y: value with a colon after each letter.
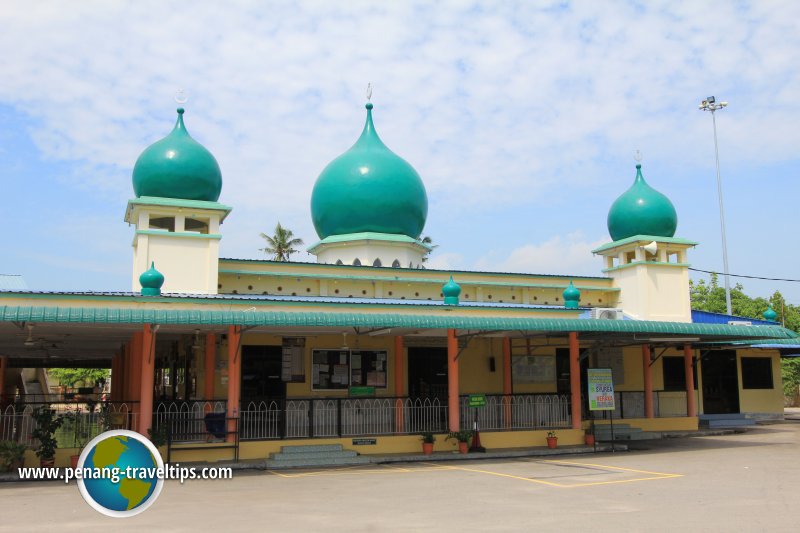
x: 761, y: 400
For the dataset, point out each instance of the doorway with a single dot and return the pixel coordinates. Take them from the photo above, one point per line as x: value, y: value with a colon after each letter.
x: 261, y: 374
x: 720, y: 382
x: 427, y: 373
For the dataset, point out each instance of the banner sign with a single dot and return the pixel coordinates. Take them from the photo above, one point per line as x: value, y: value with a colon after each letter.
x: 601, y: 389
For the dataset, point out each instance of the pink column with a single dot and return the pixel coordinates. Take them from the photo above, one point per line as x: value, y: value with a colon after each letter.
x: 147, y: 377
x: 399, y: 381
x: 452, y: 381
x: 210, y: 366
x: 575, y: 379
x: 234, y: 377
x: 649, y: 412
x: 507, y: 385
x: 691, y: 408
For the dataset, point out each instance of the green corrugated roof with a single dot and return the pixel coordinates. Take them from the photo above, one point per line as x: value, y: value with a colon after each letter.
x: 101, y: 315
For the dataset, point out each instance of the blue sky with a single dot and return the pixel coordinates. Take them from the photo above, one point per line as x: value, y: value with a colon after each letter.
x: 521, y: 118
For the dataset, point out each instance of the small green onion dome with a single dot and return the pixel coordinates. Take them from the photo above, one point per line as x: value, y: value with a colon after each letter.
x: 151, y: 281
x: 369, y: 189
x: 641, y: 210
x: 177, y: 166
x: 571, y: 297
x: 451, y: 291
x: 770, y: 314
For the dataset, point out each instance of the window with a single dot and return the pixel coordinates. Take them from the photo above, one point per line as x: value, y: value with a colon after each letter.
x: 395, y: 264
x: 341, y: 369
x: 357, y: 262
x: 377, y: 263
x: 195, y: 225
x: 162, y: 223
x: 339, y: 262
x: 757, y: 373
x: 674, y: 374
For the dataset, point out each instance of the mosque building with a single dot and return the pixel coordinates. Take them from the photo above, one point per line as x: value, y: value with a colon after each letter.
x: 366, y: 348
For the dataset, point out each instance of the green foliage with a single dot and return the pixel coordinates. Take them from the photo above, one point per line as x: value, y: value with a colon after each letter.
x: 711, y: 297
x: 282, y: 244
x: 47, y: 423
x: 428, y: 437
x: 68, y: 377
x: 10, y: 452
x: 460, y: 436
x: 158, y: 435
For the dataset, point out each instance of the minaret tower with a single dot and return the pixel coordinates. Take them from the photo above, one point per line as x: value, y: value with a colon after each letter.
x: 369, y: 207
x: 177, y: 218
x: 645, y: 260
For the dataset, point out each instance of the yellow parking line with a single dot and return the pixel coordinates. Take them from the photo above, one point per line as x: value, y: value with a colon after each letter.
x: 356, y: 470
x: 666, y: 476
x: 478, y: 470
x: 612, y: 468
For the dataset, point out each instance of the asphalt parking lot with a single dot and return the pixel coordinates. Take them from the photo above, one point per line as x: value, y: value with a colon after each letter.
x: 741, y: 482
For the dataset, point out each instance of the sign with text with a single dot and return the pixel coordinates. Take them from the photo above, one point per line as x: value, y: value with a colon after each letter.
x: 477, y: 400
x: 601, y: 389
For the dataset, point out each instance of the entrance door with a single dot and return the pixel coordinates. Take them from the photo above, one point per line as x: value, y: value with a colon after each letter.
x: 720, y: 383
x: 427, y: 373
x: 261, y: 374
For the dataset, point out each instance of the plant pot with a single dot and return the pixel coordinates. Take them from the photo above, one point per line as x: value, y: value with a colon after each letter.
x: 16, y: 464
x: 73, y: 461
x: 47, y: 463
x: 552, y: 442
x: 588, y: 439
x: 427, y: 448
x: 462, y: 447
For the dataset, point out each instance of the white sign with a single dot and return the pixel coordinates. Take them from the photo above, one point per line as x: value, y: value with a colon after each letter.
x: 601, y: 389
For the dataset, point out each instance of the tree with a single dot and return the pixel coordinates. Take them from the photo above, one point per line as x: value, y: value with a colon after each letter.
x: 711, y: 297
x: 427, y: 240
x: 282, y: 244
x: 68, y: 377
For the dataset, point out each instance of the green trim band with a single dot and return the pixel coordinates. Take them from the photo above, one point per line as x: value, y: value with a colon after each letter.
x: 177, y: 202
x: 163, y: 233
x: 644, y: 238
x: 412, y: 280
x: 394, y: 320
x: 637, y: 263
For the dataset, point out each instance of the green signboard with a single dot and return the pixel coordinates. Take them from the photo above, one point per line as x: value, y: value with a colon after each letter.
x: 477, y: 400
x: 362, y: 391
x: 601, y: 389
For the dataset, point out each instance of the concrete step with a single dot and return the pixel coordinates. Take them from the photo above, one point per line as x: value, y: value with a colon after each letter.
x: 729, y: 423
x: 312, y: 448
x: 724, y: 416
x: 300, y: 463
x: 298, y: 456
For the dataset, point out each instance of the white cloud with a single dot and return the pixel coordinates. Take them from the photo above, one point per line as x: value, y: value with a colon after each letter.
x: 445, y: 261
x: 569, y: 254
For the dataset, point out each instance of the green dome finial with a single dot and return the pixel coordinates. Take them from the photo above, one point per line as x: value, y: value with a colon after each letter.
x: 177, y: 166
x: 572, y: 297
x: 389, y: 194
x: 770, y: 314
x: 451, y: 291
x: 151, y: 281
x: 641, y: 210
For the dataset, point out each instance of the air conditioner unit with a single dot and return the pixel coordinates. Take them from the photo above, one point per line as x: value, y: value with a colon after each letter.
x: 607, y: 313
x: 739, y: 323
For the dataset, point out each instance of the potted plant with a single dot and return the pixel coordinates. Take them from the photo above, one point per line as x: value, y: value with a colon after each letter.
x: 159, y: 436
x: 552, y: 440
x: 47, y: 423
x: 427, y: 442
x: 12, y: 455
x: 462, y: 437
x: 79, y: 428
x: 588, y: 438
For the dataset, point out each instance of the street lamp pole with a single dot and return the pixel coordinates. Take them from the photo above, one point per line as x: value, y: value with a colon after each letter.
x: 710, y: 104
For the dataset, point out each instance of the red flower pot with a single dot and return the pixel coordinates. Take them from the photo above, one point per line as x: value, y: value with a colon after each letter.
x: 552, y: 442
x: 462, y: 447
x: 427, y: 448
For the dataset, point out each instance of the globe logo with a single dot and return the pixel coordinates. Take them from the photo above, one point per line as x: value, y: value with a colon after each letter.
x: 120, y: 473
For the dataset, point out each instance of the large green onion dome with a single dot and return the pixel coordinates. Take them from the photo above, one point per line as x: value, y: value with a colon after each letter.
x: 177, y: 166
x: 641, y: 210
x: 369, y: 189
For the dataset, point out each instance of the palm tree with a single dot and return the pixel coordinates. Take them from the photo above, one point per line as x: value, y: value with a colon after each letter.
x: 282, y: 244
x: 427, y: 240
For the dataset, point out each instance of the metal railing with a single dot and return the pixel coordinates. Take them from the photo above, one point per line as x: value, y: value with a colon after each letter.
x: 630, y: 404
x: 188, y: 420
x: 81, y: 421
x: 517, y: 411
